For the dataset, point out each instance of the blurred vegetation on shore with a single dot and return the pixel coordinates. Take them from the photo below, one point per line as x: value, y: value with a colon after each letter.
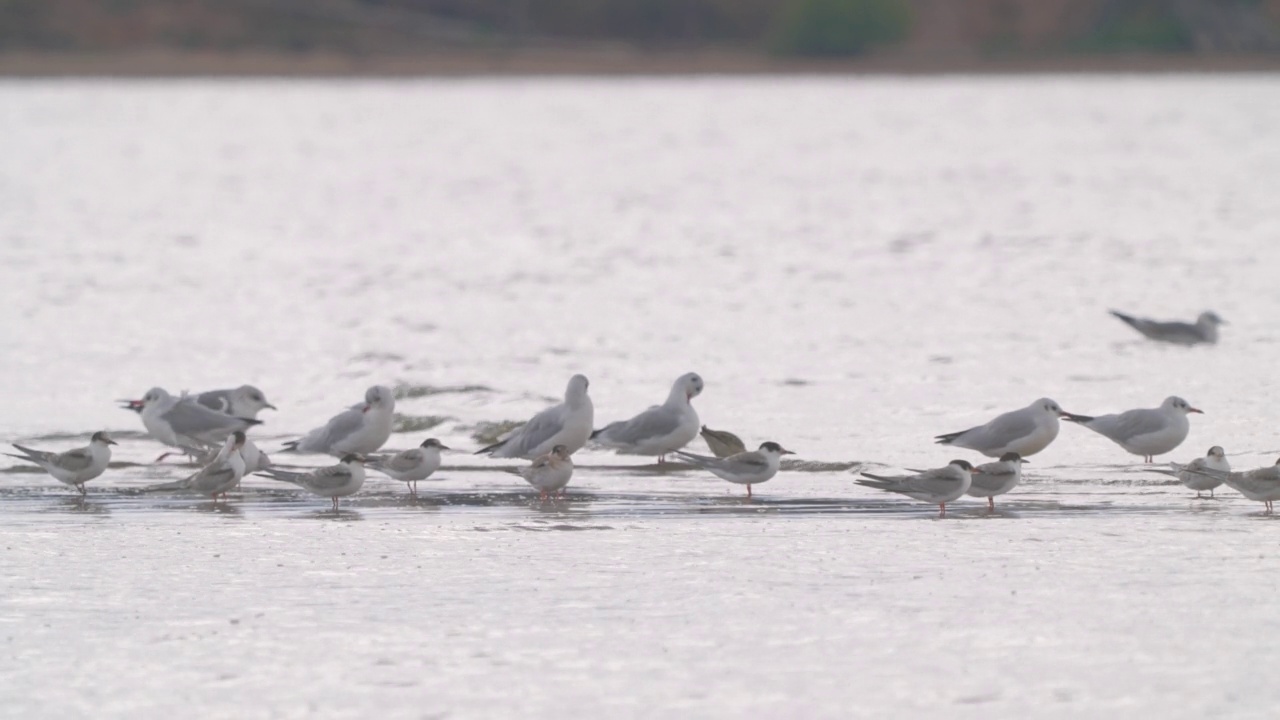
x: 793, y: 28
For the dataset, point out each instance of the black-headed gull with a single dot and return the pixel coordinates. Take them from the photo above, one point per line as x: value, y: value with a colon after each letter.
x: 245, y: 401
x: 181, y: 422
x: 936, y: 487
x: 1145, y: 432
x: 333, y: 482
x: 411, y: 465
x: 73, y: 467
x: 1203, y: 331
x: 1025, y: 431
x: 569, y: 424
x: 363, y: 428
x: 744, y: 468
x: 660, y: 429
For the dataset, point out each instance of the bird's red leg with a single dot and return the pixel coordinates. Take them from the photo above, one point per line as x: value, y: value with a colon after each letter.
x: 991, y: 504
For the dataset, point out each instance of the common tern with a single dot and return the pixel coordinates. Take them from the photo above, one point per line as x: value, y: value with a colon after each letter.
x: 73, y: 467
x: 333, y: 482
x: 411, y: 465
x: 936, y: 487
x: 745, y: 468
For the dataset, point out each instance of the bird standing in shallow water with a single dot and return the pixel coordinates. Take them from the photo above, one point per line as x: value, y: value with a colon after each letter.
x: 73, y: 467
x: 937, y: 487
x: 745, y: 468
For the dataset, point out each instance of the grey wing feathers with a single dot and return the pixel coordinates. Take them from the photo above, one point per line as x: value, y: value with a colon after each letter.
x: 339, y: 426
x: 655, y: 422
x: 540, y: 428
x: 32, y: 454
x: 1129, y: 424
x: 331, y: 477
x: 187, y: 417
x: 216, y: 400
x: 403, y: 462
x: 285, y: 475
x: 73, y: 460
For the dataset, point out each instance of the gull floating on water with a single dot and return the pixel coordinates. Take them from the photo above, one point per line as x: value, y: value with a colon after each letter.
x: 1147, y: 431
x: 411, y: 465
x: 73, y: 467
x: 550, y: 473
x: 936, y: 487
x: 1203, y: 330
x: 744, y: 468
x: 218, y: 477
x: 333, y: 482
x: 1026, y: 431
x: 722, y: 443
x: 996, y: 478
x: 568, y: 424
x: 363, y: 428
x: 181, y: 422
x: 660, y: 429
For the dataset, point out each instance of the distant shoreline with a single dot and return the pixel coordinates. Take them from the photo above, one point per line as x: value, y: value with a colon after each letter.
x: 592, y: 61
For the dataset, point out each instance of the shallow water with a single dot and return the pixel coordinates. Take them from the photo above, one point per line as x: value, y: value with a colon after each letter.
x: 853, y: 265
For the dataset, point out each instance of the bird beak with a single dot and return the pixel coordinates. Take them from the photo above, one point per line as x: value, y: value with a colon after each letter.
x: 366, y: 408
x: 269, y: 406
x: 787, y: 452
x: 135, y: 405
x: 109, y: 441
x: 1195, y: 410
x: 1024, y: 461
x: 445, y: 447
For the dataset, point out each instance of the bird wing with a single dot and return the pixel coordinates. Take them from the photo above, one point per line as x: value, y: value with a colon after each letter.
x: 330, y: 478
x: 33, y: 455
x: 934, y: 482
x: 216, y: 400
x: 524, y: 439
x: 340, y: 426
x: 1129, y: 424
x: 73, y: 460
x: 655, y: 422
x: 999, y: 432
x: 404, y: 461
x: 193, y: 420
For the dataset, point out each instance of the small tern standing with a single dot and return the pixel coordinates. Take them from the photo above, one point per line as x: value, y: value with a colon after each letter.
x: 333, y: 482
x: 411, y: 465
x: 936, y: 487
x: 73, y: 467
x: 745, y: 468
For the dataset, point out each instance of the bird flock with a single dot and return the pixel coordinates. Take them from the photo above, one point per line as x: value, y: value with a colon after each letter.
x: 211, y: 428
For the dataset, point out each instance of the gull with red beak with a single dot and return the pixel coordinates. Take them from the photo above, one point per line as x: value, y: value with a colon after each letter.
x: 1146, y: 431
x: 662, y: 428
x: 363, y: 428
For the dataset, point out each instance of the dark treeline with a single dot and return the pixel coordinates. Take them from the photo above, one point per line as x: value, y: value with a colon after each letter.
x: 792, y: 27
